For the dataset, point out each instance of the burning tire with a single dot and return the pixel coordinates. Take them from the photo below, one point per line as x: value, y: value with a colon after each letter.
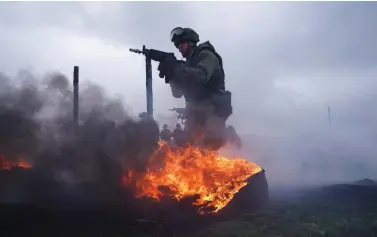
x: 251, y: 198
x: 221, y: 188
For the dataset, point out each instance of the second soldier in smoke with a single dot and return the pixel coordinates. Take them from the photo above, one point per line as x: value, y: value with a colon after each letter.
x: 201, y: 81
x: 178, y: 135
x: 165, y: 133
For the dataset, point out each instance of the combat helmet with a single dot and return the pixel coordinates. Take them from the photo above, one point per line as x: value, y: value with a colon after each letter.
x: 180, y: 34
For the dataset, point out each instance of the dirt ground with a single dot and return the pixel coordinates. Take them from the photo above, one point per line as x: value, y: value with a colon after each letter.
x: 335, y: 211
x: 309, y: 216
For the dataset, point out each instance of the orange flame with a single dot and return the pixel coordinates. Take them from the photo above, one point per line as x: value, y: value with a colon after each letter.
x: 6, y: 164
x: 192, y: 172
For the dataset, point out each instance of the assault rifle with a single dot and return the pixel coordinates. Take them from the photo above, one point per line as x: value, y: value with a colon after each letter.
x: 155, y: 55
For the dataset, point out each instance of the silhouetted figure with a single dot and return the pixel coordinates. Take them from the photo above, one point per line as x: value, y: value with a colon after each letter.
x: 179, y: 135
x: 165, y: 133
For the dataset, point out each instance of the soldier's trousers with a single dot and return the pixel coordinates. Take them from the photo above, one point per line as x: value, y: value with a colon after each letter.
x: 203, y: 127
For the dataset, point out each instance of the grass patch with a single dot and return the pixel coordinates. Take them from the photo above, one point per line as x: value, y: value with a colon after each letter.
x: 310, y: 216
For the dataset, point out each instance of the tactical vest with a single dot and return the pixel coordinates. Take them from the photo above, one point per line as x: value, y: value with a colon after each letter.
x: 217, y: 80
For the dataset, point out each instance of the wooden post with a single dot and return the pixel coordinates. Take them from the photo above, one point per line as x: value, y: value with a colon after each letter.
x: 148, y: 84
x: 76, y: 95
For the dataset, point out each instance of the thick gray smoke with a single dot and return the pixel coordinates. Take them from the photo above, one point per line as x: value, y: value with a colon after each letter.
x: 307, y: 148
x: 320, y: 152
x: 36, y: 124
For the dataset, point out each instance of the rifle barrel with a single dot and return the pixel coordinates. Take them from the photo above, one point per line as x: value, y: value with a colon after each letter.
x: 136, y: 51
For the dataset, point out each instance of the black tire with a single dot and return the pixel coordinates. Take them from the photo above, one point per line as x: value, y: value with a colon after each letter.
x: 251, y: 198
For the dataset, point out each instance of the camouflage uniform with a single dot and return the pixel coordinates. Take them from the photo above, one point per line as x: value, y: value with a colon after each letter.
x: 197, y: 79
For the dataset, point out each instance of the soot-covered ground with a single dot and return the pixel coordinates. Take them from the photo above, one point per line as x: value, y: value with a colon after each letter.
x: 334, y: 211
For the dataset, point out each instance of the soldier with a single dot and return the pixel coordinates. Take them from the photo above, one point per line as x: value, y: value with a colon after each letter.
x: 165, y: 133
x: 201, y: 80
x: 178, y: 135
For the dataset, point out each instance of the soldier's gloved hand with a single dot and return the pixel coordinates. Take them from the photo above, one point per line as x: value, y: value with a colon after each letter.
x: 161, y: 70
x: 167, y: 68
x: 161, y: 75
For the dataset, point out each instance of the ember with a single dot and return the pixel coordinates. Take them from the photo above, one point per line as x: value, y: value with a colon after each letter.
x: 6, y: 164
x: 186, y: 172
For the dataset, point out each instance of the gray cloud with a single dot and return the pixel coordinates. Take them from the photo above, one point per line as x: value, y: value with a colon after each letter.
x: 285, y: 63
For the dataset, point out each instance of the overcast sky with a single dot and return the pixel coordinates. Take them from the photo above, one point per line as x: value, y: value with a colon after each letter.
x: 285, y: 62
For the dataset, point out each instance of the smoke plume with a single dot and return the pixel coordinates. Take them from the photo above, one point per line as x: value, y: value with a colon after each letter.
x: 36, y: 125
